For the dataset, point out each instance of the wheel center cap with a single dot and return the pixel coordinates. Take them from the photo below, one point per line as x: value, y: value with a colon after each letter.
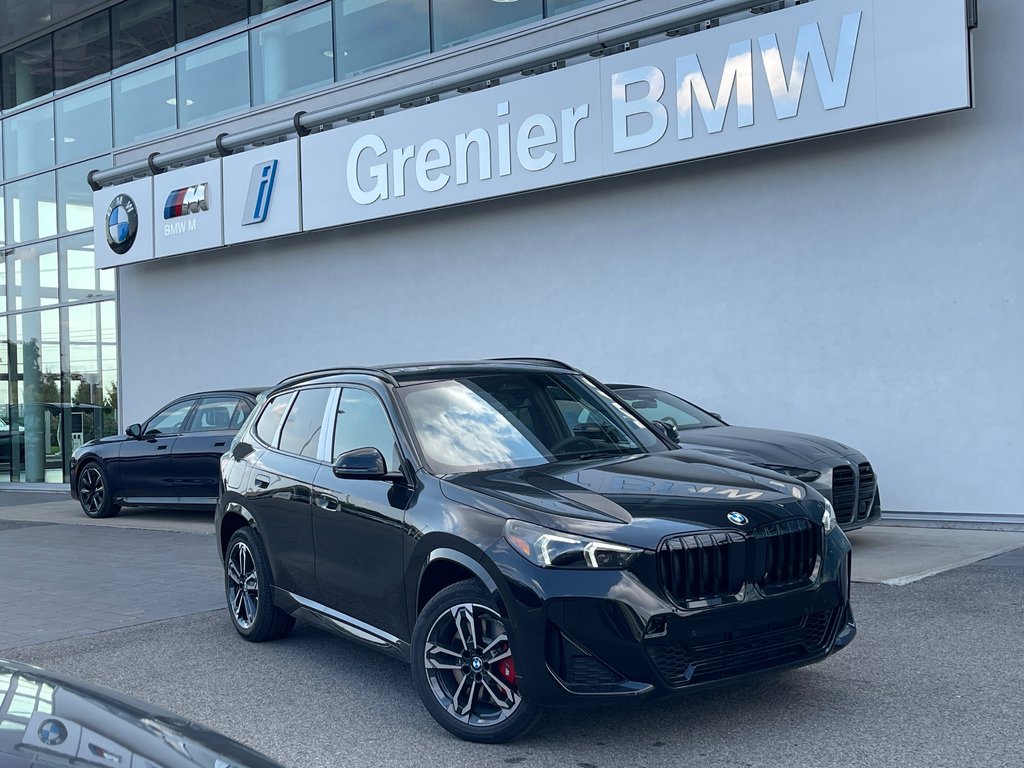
x: 477, y: 664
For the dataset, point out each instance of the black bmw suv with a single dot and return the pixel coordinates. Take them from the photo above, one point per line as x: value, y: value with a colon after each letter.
x: 522, y: 538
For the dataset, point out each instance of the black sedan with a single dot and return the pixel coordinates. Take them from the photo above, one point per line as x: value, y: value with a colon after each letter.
x: 53, y: 720
x: 841, y: 474
x: 172, y: 459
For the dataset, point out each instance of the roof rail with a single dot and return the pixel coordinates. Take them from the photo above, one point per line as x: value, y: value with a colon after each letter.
x: 320, y: 373
x: 539, y: 360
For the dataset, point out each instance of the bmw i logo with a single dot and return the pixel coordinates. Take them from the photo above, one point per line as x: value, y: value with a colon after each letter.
x: 53, y: 733
x: 737, y: 518
x: 122, y: 224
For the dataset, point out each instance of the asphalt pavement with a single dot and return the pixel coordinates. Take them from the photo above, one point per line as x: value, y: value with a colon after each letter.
x: 933, y: 679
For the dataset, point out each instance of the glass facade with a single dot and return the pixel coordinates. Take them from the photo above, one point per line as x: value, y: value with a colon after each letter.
x: 134, y: 72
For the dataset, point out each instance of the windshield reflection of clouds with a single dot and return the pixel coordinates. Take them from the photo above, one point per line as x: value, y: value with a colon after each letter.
x: 458, y: 428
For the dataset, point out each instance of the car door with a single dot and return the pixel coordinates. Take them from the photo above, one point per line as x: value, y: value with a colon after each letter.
x: 358, y: 524
x: 195, y: 458
x: 144, y: 464
x: 279, y: 484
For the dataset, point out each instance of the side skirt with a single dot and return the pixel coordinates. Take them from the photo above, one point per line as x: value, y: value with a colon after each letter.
x: 341, y: 624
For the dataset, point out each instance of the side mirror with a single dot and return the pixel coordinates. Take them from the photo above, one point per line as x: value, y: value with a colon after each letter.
x: 716, y: 415
x: 134, y: 431
x: 364, y: 464
x: 666, y: 430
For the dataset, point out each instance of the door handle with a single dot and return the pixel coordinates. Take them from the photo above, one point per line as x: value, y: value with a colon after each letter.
x: 161, y: 447
x: 219, y: 445
x: 328, y: 502
x: 261, y: 481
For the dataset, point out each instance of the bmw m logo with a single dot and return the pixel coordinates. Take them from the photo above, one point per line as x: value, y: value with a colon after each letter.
x: 737, y: 518
x: 53, y: 733
x: 122, y: 224
x: 182, y: 202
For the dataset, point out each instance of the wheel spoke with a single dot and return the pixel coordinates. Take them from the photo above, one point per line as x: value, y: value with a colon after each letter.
x: 507, y: 699
x: 433, y: 649
x: 465, y: 625
x: 233, y: 574
x: 250, y: 606
x: 502, y: 638
x: 468, y: 707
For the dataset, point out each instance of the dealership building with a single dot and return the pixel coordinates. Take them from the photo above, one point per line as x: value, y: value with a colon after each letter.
x: 803, y: 215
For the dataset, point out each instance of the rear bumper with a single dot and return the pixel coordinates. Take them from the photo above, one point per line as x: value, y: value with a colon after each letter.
x: 587, y: 638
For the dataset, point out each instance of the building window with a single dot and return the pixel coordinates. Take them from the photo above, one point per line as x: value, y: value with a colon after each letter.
x: 74, y: 196
x: 213, y: 81
x: 561, y: 6
x: 28, y: 141
x: 374, y: 33
x: 197, y: 17
x: 260, y: 7
x: 31, y: 209
x: 80, y: 280
x: 32, y: 276
x: 292, y: 55
x: 141, y: 28
x: 144, y: 104
x: 82, y: 50
x: 83, y: 124
x: 27, y: 72
x: 459, y: 21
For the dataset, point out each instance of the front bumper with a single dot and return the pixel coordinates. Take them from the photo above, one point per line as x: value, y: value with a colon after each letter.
x: 592, y: 637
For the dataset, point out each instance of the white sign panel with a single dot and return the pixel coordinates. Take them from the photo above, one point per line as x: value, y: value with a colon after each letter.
x: 187, y: 209
x: 806, y: 71
x: 261, y: 193
x: 123, y: 224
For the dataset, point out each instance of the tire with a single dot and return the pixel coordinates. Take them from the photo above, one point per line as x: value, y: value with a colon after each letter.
x: 249, y: 590
x: 472, y: 713
x: 94, y: 492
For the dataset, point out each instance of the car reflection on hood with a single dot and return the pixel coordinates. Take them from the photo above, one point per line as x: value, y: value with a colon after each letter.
x: 52, y: 720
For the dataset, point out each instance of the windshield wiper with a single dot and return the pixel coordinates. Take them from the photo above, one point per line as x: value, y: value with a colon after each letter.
x: 606, y: 454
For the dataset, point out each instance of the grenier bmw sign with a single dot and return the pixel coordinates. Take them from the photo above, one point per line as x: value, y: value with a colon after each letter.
x: 793, y: 74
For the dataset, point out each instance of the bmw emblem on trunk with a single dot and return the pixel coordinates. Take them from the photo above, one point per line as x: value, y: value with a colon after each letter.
x: 122, y: 224
x: 737, y: 518
x: 53, y: 733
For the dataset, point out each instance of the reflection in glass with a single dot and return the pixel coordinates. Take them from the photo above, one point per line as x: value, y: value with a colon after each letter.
x: 141, y: 28
x: 3, y: 231
x: 31, y: 209
x: 35, y: 397
x: 3, y: 292
x: 74, y: 196
x: 92, y: 379
x: 33, y: 276
x: 372, y: 33
x: 83, y: 124
x: 82, y: 50
x: 81, y: 280
x: 27, y: 72
x: 213, y: 81
x: 28, y: 141
x: 260, y: 7
x: 292, y: 55
x: 561, y: 6
x: 458, y: 21
x: 144, y: 104
x: 197, y: 17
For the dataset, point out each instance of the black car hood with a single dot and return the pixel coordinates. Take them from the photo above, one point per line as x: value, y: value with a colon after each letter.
x: 677, y: 490
x: 108, y: 439
x: 769, y: 446
x: 77, y: 723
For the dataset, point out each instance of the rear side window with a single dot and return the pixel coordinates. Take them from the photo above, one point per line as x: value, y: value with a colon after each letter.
x: 218, y: 414
x: 270, y: 419
x: 301, y: 431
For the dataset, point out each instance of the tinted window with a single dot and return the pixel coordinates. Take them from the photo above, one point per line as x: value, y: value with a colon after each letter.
x: 362, y: 422
x: 197, y: 17
x: 170, y: 420
x: 27, y: 72
x: 301, y: 431
x: 82, y: 50
x: 270, y: 419
x: 656, y: 405
x: 216, y: 414
x: 141, y: 28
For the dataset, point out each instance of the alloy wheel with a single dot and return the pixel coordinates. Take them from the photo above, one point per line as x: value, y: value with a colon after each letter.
x: 243, y: 590
x: 469, y: 665
x: 91, y: 490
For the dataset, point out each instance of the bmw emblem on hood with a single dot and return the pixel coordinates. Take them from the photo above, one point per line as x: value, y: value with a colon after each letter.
x: 53, y: 733
x: 122, y: 224
x: 737, y: 518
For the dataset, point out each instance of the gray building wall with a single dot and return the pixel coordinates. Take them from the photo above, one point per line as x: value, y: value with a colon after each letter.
x: 866, y: 287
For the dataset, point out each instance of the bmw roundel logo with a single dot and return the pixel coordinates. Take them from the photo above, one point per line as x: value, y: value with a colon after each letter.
x: 122, y: 224
x: 737, y: 518
x: 53, y: 733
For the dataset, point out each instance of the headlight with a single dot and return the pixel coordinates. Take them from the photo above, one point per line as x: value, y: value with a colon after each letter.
x: 828, y: 517
x: 554, y: 549
x: 806, y: 475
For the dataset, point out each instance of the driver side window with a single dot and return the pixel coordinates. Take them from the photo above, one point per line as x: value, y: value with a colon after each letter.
x: 170, y: 420
x: 362, y: 422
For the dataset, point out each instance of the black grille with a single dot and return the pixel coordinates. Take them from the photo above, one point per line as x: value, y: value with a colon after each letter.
x: 844, y: 493
x: 752, y: 650
x: 703, y: 567
x: 585, y: 671
x: 866, y: 495
x: 787, y: 553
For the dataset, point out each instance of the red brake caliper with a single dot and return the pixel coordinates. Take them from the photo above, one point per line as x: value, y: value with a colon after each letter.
x: 507, y: 669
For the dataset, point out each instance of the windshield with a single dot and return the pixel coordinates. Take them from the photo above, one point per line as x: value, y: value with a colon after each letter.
x: 656, y: 405
x: 498, y: 421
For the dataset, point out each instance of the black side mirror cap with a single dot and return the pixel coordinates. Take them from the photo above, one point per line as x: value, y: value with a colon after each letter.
x: 361, y: 464
x: 134, y: 431
x: 666, y: 430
